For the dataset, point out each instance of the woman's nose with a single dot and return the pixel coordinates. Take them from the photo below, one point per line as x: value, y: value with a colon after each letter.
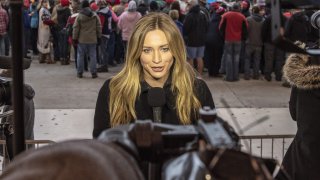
x: 157, y: 57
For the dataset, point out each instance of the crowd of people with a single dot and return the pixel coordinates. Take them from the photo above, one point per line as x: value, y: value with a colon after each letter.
x: 224, y: 40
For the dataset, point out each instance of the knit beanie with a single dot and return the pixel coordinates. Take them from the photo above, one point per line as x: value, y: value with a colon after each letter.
x: 154, y: 6
x: 64, y: 3
x: 132, y: 6
x: 85, y: 4
x: 220, y: 10
x: 94, y: 6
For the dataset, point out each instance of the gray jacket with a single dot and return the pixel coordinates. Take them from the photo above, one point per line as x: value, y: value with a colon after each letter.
x: 87, y: 27
x: 255, y: 22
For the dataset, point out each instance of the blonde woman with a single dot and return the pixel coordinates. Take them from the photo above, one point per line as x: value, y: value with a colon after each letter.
x: 156, y: 57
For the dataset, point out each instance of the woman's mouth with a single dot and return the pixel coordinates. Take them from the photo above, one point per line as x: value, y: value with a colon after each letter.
x: 157, y: 69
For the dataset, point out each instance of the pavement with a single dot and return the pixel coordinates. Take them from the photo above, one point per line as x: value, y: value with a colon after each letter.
x: 65, y: 104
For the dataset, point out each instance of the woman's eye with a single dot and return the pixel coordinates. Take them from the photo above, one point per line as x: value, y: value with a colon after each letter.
x: 165, y: 49
x: 146, y: 50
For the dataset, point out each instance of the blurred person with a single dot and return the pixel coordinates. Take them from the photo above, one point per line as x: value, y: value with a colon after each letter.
x: 245, y: 10
x: 119, y: 51
x: 233, y: 26
x: 105, y: 16
x: 44, y: 33
x: 156, y: 57
x: 154, y: 6
x: 63, y: 14
x: 70, y: 22
x: 167, y: 8
x: 142, y: 8
x: 174, y: 14
x: 253, y: 44
x: 302, y: 158
x: 127, y: 21
x: 53, y: 5
x: 274, y: 58
x: 86, y: 35
x: 176, y: 5
x: 7, y: 43
x: 214, y: 44
x: 26, y: 29
x: 4, y: 21
x: 34, y: 23
x: 195, y: 27
x: 204, y: 9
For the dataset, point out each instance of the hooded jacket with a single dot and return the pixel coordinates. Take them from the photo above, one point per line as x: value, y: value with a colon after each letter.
x: 126, y: 23
x: 87, y: 27
x: 303, y: 158
x: 255, y: 22
x: 297, y: 27
x: 195, y: 27
x: 63, y: 13
x: 105, y: 16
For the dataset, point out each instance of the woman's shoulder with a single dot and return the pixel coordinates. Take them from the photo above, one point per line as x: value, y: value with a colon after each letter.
x: 106, y: 84
x: 199, y: 83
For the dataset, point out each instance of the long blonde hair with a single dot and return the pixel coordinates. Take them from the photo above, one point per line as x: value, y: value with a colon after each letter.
x: 125, y: 86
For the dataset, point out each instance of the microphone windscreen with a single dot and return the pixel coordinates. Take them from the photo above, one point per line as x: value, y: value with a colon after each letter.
x: 156, y: 97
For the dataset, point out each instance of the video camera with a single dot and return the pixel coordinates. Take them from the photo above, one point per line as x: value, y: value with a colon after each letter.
x: 210, y: 148
x: 283, y: 43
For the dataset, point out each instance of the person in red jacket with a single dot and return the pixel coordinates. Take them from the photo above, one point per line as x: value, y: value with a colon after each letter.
x: 234, y: 27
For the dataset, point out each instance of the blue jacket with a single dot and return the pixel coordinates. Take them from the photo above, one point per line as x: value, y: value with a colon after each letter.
x: 26, y: 19
x: 34, y: 23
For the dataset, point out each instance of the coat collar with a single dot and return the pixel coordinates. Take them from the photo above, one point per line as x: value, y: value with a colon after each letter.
x: 301, y: 73
x: 145, y: 86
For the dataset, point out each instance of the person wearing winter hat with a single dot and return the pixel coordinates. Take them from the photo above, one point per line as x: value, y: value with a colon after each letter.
x: 127, y: 21
x: 105, y: 16
x: 220, y: 10
x: 63, y: 14
x: 234, y: 27
x: 94, y: 7
x: 86, y: 33
x: 195, y: 28
x: 154, y: 7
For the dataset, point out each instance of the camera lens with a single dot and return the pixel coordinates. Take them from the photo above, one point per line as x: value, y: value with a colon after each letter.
x: 315, y: 20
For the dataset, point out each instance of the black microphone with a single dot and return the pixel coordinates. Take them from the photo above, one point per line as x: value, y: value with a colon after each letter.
x: 156, y: 99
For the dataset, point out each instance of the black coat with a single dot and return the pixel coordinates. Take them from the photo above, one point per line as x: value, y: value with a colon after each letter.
x: 143, y: 110
x: 302, y: 160
x: 297, y: 27
x: 214, y: 36
x: 195, y: 27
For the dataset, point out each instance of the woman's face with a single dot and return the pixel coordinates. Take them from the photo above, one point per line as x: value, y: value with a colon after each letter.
x: 45, y: 4
x: 156, y: 58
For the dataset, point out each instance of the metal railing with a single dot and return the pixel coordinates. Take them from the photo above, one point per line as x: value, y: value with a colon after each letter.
x: 268, y: 146
x: 30, y: 144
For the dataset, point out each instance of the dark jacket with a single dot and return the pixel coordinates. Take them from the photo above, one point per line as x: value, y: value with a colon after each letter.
x: 87, y: 27
x: 214, y: 36
x: 195, y: 27
x: 303, y: 158
x: 63, y: 13
x: 298, y: 27
x: 255, y: 22
x: 143, y: 110
x: 266, y: 28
